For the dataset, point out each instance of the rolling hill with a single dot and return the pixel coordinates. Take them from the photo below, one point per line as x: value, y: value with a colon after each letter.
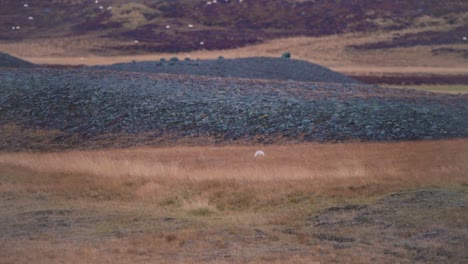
x: 175, y: 26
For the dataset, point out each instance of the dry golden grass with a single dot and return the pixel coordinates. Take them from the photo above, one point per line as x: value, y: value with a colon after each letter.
x: 320, y: 167
x: 222, y: 205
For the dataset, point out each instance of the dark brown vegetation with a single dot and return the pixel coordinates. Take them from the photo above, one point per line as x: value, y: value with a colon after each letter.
x: 227, y: 24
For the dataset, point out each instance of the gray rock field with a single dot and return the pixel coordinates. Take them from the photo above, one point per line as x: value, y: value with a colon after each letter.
x: 91, y: 103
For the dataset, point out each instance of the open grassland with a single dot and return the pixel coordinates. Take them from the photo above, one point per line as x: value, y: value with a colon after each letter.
x: 354, y: 202
x: 389, y: 164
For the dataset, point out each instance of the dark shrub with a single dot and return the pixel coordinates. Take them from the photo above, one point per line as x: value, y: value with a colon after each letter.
x: 286, y: 55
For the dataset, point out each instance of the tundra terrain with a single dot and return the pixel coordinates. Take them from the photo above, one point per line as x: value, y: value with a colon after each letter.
x: 354, y: 203
x: 114, y: 163
x: 128, y: 131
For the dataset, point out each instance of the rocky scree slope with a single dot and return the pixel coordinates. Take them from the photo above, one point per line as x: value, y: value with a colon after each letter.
x: 252, y: 68
x: 7, y: 60
x: 87, y: 104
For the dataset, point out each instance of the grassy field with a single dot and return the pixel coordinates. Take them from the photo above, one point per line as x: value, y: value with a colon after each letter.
x: 353, y: 202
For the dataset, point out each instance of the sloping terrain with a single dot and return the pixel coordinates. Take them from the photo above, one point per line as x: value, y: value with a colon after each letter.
x: 84, y: 105
x: 7, y: 60
x: 252, y: 68
x: 221, y: 25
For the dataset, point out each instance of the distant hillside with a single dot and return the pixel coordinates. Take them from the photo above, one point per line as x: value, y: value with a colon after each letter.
x: 9, y: 61
x: 164, y: 25
x: 251, y: 68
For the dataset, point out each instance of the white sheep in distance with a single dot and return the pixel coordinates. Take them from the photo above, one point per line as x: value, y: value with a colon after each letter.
x: 259, y: 153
